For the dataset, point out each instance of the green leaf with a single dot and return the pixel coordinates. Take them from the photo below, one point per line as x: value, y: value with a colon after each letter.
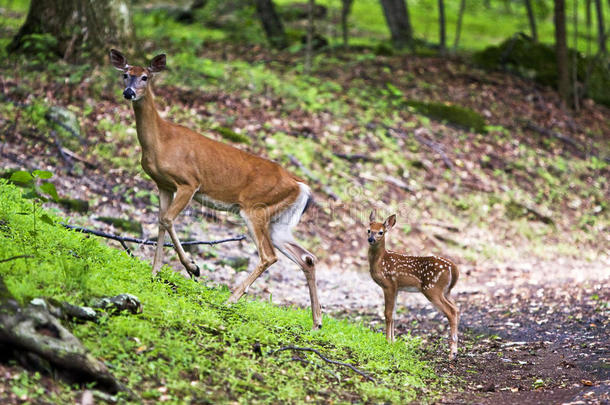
x: 21, y: 176
x: 42, y: 174
x: 49, y: 188
x: 46, y: 219
x: 30, y: 195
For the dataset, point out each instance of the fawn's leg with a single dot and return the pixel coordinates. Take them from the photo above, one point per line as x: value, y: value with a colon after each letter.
x: 436, y: 297
x: 389, y: 295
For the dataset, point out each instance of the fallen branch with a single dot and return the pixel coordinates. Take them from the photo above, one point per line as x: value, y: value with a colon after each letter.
x: 123, y: 239
x: 320, y: 355
x: 563, y: 138
x: 357, y: 157
x: 35, y: 332
x: 17, y: 257
x: 436, y: 147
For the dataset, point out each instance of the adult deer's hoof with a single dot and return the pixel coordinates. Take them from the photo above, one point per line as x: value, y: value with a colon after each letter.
x: 194, y: 272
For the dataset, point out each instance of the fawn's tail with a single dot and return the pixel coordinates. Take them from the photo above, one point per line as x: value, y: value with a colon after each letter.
x: 455, y: 274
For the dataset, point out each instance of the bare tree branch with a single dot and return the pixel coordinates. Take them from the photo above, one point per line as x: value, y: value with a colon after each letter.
x: 123, y: 239
x: 17, y: 257
x: 312, y: 350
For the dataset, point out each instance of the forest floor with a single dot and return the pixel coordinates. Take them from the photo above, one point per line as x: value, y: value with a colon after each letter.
x: 535, y: 319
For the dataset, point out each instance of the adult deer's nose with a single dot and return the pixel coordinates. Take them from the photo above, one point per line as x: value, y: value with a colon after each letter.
x: 129, y: 94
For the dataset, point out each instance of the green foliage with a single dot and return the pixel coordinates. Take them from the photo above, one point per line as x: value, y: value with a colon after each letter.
x: 538, y: 61
x: 457, y: 115
x: 229, y: 134
x: 124, y: 224
x: 40, y: 47
x: 187, y: 340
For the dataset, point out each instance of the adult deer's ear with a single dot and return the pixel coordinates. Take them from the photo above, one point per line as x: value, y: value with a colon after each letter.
x: 157, y: 64
x: 372, y: 216
x: 118, y: 60
x: 390, y: 222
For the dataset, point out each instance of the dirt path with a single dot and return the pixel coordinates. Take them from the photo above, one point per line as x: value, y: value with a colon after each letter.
x: 531, y: 332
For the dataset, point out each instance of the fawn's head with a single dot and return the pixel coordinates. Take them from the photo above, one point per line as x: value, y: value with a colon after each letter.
x: 136, y: 78
x: 377, y: 230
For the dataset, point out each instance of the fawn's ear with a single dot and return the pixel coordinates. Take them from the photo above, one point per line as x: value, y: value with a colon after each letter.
x: 372, y: 216
x: 157, y: 64
x: 118, y: 60
x: 390, y: 222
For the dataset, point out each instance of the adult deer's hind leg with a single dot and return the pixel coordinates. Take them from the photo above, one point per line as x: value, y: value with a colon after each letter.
x: 258, y: 226
x: 306, y: 261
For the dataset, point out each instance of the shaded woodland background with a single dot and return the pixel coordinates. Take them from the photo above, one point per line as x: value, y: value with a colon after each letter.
x: 484, y: 124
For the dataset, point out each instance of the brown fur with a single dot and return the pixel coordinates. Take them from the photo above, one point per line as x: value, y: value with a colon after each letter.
x: 185, y: 164
x: 432, y: 276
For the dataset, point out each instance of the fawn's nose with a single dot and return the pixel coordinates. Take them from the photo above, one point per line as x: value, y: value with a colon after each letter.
x: 129, y: 94
x: 371, y: 239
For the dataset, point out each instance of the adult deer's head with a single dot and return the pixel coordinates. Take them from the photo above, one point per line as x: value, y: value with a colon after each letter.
x: 136, y: 78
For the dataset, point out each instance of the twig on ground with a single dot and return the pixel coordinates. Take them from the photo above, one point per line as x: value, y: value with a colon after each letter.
x: 436, y: 147
x: 302, y: 360
x: 578, y: 147
x: 17, y: 257
x: 123, y: 239
x: 320, y: 355
x: 356, y: 157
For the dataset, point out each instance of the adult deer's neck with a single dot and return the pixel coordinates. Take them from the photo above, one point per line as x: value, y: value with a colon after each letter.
x: 147, y: 121
x: 376, y: 252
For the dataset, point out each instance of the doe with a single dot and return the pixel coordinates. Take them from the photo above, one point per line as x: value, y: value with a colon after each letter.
x: 432, y: 276
x: 186, y: 165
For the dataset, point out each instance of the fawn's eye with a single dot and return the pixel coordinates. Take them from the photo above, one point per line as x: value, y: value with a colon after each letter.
x: 380, y: 232
x: 144, y: 78
x: 125, y: 76
x: 368, y: 231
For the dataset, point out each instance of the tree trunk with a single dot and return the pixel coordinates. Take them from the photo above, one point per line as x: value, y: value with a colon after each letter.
x: 561, y: 49
x: 532, y: 20
x: 397, y: 16
x: 346, y: 8
x: 35, y: 335
x: 309, y: 43
x: 601, y: 32
x: 458, y: 28
x: 575, y: 88
x: 82, y: 29
x: 271, y: 24
x: 441, y: 26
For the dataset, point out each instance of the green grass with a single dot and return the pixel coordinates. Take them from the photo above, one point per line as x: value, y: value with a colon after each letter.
x: 481, y: 26
x: 187, y: 339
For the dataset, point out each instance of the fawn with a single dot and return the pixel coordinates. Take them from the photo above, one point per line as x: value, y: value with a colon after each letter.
x: 432, y: 276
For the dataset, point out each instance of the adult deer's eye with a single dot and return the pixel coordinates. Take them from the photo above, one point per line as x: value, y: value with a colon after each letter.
x: 144, y: 78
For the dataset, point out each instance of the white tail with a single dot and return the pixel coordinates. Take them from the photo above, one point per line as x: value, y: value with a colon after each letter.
x: 432, y: 276
x: 186, y: 165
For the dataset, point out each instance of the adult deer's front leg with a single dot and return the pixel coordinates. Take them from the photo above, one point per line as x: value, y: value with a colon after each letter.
x: 165, y: 198
x: 181, y: 199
